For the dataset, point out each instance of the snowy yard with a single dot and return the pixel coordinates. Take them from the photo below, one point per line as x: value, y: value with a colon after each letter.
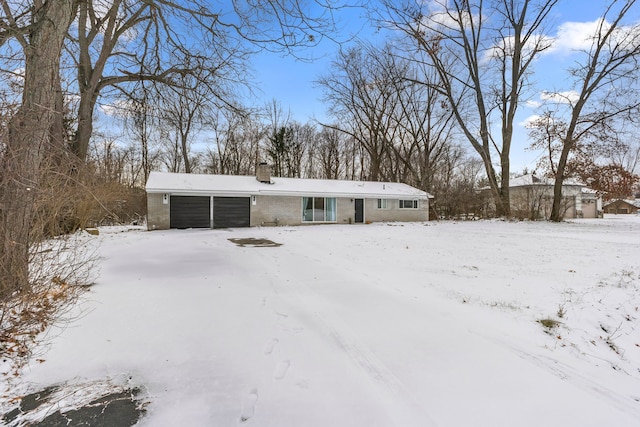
x: 421, y: 324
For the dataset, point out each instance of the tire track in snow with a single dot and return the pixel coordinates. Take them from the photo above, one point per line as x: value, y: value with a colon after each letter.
x: 391, y: 387
x: 391, y: 391
x: 567, y: 373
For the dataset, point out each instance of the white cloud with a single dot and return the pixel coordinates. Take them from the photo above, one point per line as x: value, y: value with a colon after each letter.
x: 440, y: 16
x: 566, y: 97
x: 536, y: 42
x: 115, y: 109
x: 572, y: 36
x: 579, y: 36
x: 17, y: 76
x: 529, y: 121
x: 533, y: 104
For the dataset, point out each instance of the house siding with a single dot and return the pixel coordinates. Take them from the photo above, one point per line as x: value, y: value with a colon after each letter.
x: 394, y: 213
x: 620, y: 207
x: 158, y: 213
x: 536, y: 201
x: 276, y: 210
x: 346, y: 210
x: 589, y: 208
x: 287, y: 210
x: 280, y: 202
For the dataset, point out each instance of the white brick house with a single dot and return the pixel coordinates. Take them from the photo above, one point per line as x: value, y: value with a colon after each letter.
x: 219, y: 201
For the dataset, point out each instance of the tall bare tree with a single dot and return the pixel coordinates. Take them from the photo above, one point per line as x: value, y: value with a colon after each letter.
x: 605, y: 88
x: 142, y: 119
x: 331, y: 153
x: 116, y: 42
x: 362, y: 97
x: 186, y: 104
x: 482, y: 52
x: 425, y: 125
x: 40, y: 32
x: 391, y: 108
x: 237, y: 137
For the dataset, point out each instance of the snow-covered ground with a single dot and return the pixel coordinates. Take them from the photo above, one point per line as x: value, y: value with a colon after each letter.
x: 420, y: 324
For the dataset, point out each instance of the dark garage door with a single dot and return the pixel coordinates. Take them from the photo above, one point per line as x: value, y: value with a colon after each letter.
x: 190, y: 212
x: 231, y: 212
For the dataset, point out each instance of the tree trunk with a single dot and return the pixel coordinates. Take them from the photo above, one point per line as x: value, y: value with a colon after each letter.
x: 29, y: 133
x: 556, y: 214
x: 184, y: 142
x: 82, y: 136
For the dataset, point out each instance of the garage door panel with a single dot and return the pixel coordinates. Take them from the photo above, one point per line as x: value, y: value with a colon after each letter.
x: 231, y: 212
x: 190, y: 212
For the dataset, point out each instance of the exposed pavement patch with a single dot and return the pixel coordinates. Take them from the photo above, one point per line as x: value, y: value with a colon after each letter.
x: 256, y: 243
x: 120, y: 407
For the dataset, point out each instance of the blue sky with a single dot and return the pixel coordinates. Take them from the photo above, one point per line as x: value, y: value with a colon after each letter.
x: 291, y: 81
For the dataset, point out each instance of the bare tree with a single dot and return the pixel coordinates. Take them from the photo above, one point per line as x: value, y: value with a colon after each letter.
x: 141, y: 118
x: 306, y: 137
x: 482, y: 52
x: 601, y: 158
x: 286, y: 142
x: 109, y: 158
x: 362, y: 98
x: 424, y: 124
x: 605, y: 89
x: 116, y: 43
x: 330, y: 151
x: 186, y: 104
x: 40, y: 32
x: 237, y: 137
x: 455, y: 183
x: 122, y: 41
x: 391, y: 108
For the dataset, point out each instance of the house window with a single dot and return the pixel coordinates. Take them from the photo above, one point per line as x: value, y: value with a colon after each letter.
x: 318, y: 209
x: 408, y: 204
x: 382, y: 204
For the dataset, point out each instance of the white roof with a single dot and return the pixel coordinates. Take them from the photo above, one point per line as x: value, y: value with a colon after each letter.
x: 526, y: 180
x: 233, y: 185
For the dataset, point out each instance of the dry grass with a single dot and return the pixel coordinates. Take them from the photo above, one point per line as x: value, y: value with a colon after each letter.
x: 549, y: 323
x: 61, y: 269
x: 25, y: 317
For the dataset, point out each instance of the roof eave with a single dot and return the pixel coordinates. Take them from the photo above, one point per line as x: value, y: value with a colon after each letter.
x: 422, y: 196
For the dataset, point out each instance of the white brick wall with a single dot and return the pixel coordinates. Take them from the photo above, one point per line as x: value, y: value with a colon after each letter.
x: 157, y: 212
x: 285, y: 210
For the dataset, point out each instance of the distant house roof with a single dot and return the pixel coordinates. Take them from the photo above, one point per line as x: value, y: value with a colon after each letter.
x: 233, y: 185
x: 529, y: 179
x: 630, y: 203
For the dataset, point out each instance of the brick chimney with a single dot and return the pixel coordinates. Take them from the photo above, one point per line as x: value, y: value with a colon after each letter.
x: 263, y: 173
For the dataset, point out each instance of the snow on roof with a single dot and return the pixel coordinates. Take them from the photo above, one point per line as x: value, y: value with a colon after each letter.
x: 632, y: 202
x: 525, y: 180
x: 234, y: 185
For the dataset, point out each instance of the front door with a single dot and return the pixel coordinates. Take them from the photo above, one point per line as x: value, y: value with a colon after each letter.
x: 359, y: 216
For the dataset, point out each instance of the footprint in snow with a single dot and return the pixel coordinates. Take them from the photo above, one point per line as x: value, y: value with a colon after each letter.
x: 281, y: 369
x: 249, y: 406
x: 268, y: 349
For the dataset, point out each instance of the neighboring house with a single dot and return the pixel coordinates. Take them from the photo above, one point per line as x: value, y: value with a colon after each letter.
x: 532, y: 198
x: 621, y: 206
x: 177, y: 200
